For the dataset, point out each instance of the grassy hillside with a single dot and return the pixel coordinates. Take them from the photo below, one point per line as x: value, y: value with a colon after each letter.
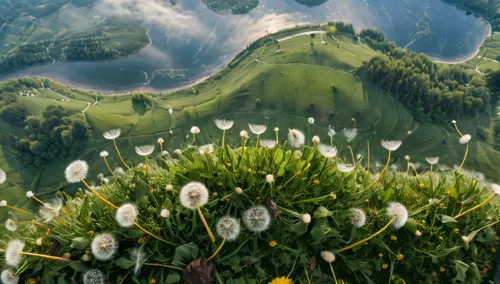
x: 281, y: 84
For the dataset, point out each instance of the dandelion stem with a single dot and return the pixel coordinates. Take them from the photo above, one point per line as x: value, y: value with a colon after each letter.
x: 331, y: 141
x: 162, y: 265
x: 465, y: 155
x: 38, y: 224
x: 61, y: 222
x: 218, y: 249
x: 458, y: 131
x: 194, y: 138
x: 56, y: 258
x: 120, y: 155
x: 212, y: 238
x: 307, y: 275
x: 407, y: 166
x: 257, y: 143
x: 333, y: 273
x: 18, y: 210
x: 151, y: 234
x: 352, y: 154
x: 161, y: 147
x: 223, y: 138
x: 146, y: 167
x: 381, y: 173
x: 294, y: 176
x: 368, y: 238
x: 277, y: 139
x: 38, y: 200
x: 476, y: 207
x: 98, y: 194
x: 107, y: 165
x: 368, y: 163
x: 243, y: 142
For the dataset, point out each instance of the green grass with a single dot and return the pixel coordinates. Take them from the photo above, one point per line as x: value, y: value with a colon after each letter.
x: 293, y: 83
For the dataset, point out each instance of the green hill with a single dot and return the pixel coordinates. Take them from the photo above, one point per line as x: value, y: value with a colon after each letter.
x: 280, y: 82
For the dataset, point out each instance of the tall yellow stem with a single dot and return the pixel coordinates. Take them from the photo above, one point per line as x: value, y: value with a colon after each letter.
x: 151, y: 234
x: 107, y: 165
x: 243, y: 142
x: 218, y: 249
x: 162, y: 265
x: 277, y: 139
x: 368, y: 238
x: 458, y: 131
x: 352, y: 154
x: 383, y: 171
x: 18, y: 210
x: 294, y: 176
x: 223, y: 138
x: 98, y: 195
x: 465, y: 155
x: 333, y: 273
x: 56, y: 258
x: 120, y: 155
x: 38, y: 200
x: 212, y: 238
x: 476, y: 207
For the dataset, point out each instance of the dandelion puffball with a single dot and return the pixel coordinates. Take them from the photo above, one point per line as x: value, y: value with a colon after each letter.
x: 10, y: 225
x: 496, y: 188
x: 3, y: 176
x: 391, y: 145
x: 296, y: 138
x: 407, y: 157
x: 29, y: 194
x: 432, y: 160
x: 93, y: 276
x: 310, y: 120
x: 331, y: 131
x: 104, y: 154
x: 238, y: 190
x: 244, y: 134
x: 3, y: 203
x: 350, y: 134
x: 268, y: 143
x: 8, y: 277
x: 398, y: 211
x: 169, y: 187
x: 453, y: 121
x: 76, y: 171
x: 306, y: 218
x: 206, y: 149
x: 316, y: 139
x: 328, y: 256
x: 145, y: 150
x: 464, y: 139
x: 357, y: 217
x: 223, y: 124
x: 228, y: 228
x: 276, y: 129
x: 160, y: 140
x: 112, y: 134
x: 194, y: 195
x: 327, y: 151
x: 257, y: 129
x: 104, y: 246
x: 126, y: 214
x: 195, y: 130
x: 165, y: 213
x: 269, y: 178
x: 257, y: 219
x: 344, y: 168
x: 13, y: 252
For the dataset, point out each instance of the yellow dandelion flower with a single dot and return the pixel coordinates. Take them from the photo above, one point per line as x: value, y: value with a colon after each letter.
x: 493, y: 249
x: 394, y: 238
x: 421, y: 185
x: 442, y: 269
x: 281, y: 280
x: 31, y: 281
x: 316, y: 181
x: 385, y: 266
x: 152, y: 281
x: 272, y: 243
x: 380, y: 255
x: 441, y: 238
x: 400, y: 257
x: 393, y: 277
x: 448, y: 192
x: 366, y: 200
x: 456, y: 230
x: 333, y: 196
x: 249, y: 170
x: 228, y: 164
x: 215, y: 194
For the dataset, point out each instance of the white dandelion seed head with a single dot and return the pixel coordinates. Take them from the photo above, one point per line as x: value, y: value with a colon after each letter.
x: 165, y: 213
x: 165, y: 153
x: 3, y: 203
x: 407, y: 157
x: 357, y: 217
x: 126, y: 214
x: 350, y: 134
x: 8, y: 277
x: 391, y: 145
x: 39, y: 242
x: 195, y: 130
x: 13, y: 252
x: 496, y: 188
x: 434, y: 201
x: 418, y: 233
x: 257, y: 129
x: 327, y: 151
x: 228, y: 228
x: 178, y: 152
x: 138, y: 256
x: 51, y: 209
x: 104, y: 246
x: 345, y: 168
x: 206, y: 149
x: 85, y: 257
x: 119, y: 171
x: 296, y: 138
x: 306, y: 218
x: 257, y: 219
x: 170, y: 110
x: 331, y: 131
x: 358, y: 156
x: 194, y: 195
x: 244, y: 134
x: 269, y: 178
x: 3, y: 176
x: 10, y: 225
x: 29, y: 194
x: 238, y: 190
x: 464, y: 139
x: 145, y: 150
x: 169, y: 187
x: 310, y: 120
x: 454, y: 121
x: 93, y: 276
x: 316, y: 139
x: 100, y: 176
x: 397, y: 210
x: 394, y: 167
x: 432, y: 160
x: 328, y: 256
x: 268, y: 143
x: 104, y: 154
x: 76, y: 171
x: 223, y: 124
x: 160, y: 140
x: 276, y: 129
x: 112, y: 134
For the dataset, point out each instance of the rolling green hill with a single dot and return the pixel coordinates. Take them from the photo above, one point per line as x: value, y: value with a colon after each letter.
x: 281, y: 83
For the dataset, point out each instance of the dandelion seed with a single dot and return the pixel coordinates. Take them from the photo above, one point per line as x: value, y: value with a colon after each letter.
x: 398, y: 211
x: 296, y: 138
x: 138, y: 256
x: 350, y: 134
x: 306, y: 218
x: 327, y: 151
x: 3, y: 176
x: 51, y: 209
x: 112, y: 134
x: 269, y: 178
x: 10, y: 225
x: 331, y: 131
x: 119, y: 171
x: 464, y: 139
x: 310, y: 120
x: 13, y: 252
x: 76, y: 171
x: 206, y: 149
x: 104, y: 154
x: 257, y: 219
x: 228, y: 228
x: 104, y: 246
x: 126, y: 214
x: 316, y: 139
x: 195, y: 130
x: 8, y: 277
x: 93, y: 276
x: 223, y: 124
x: 165, y: 213
x: 357, y: 217
x: 391, y: 145
x: 145, y: 150
x: 268, y: 143
x: 344, y: 168
x: 170, y: 110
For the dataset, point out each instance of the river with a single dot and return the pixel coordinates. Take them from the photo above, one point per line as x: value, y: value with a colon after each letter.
x: 201, y: 41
